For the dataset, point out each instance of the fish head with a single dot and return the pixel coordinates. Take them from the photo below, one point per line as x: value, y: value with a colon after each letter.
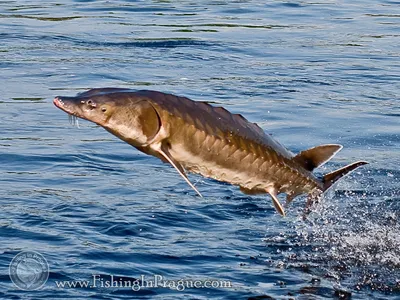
x: 129, y: 117
x: 94, y: 109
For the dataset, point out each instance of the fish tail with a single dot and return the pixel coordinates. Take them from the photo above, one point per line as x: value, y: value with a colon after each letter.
x: 329, y: 179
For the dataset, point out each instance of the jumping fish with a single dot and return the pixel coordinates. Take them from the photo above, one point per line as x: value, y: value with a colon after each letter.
x: 196, y: 137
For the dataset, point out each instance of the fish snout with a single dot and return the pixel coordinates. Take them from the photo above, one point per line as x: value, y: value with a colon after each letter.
x: 58, y: 102
x: 67, y: 104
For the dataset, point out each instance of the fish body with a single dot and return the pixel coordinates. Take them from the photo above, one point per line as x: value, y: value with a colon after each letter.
x: 196, y: 137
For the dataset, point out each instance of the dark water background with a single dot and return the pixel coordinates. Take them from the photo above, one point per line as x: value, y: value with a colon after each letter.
x: 308, y: 72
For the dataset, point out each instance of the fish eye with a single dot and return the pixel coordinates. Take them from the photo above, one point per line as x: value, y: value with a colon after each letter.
x: 90, y: 102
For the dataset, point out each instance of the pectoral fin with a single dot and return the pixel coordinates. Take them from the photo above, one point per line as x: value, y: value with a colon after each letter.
x: 163, y: 150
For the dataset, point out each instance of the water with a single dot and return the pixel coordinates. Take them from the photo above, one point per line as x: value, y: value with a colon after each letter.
x: 307, y: 72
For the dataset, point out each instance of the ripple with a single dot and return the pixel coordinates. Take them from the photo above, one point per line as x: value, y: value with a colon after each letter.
x: 309, y: 72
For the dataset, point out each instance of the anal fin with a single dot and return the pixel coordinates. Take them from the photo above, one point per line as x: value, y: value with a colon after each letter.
x: 313, y: 198
x: 163, y: 151
x: 289, y: 198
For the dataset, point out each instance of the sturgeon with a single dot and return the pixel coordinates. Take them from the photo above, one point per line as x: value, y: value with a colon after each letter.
x: 196, y: 137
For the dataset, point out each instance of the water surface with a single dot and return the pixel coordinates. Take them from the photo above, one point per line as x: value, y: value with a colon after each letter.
x: 308, y: 72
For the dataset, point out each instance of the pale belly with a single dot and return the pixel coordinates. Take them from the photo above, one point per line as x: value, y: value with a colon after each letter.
x: 236, y: 174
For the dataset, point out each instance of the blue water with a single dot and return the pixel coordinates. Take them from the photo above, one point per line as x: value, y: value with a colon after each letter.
x: 307, y: 72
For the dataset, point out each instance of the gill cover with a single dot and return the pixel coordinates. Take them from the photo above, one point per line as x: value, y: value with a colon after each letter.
x: 149, y: 119
x: 136, y: 123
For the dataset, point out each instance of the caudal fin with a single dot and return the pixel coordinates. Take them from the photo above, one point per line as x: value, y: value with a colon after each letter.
x: 330, y: 178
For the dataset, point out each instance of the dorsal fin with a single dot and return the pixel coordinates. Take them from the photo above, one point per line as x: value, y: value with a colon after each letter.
x: 317, y: 156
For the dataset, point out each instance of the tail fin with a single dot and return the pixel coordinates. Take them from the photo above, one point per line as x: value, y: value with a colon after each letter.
x: 330, y: 178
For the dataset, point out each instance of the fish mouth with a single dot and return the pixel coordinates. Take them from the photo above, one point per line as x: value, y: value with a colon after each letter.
x: 58, y: 102
x: 72, y: 116
x: 65, y: 106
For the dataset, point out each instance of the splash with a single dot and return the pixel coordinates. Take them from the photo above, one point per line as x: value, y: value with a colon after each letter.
x: 353, y: 239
